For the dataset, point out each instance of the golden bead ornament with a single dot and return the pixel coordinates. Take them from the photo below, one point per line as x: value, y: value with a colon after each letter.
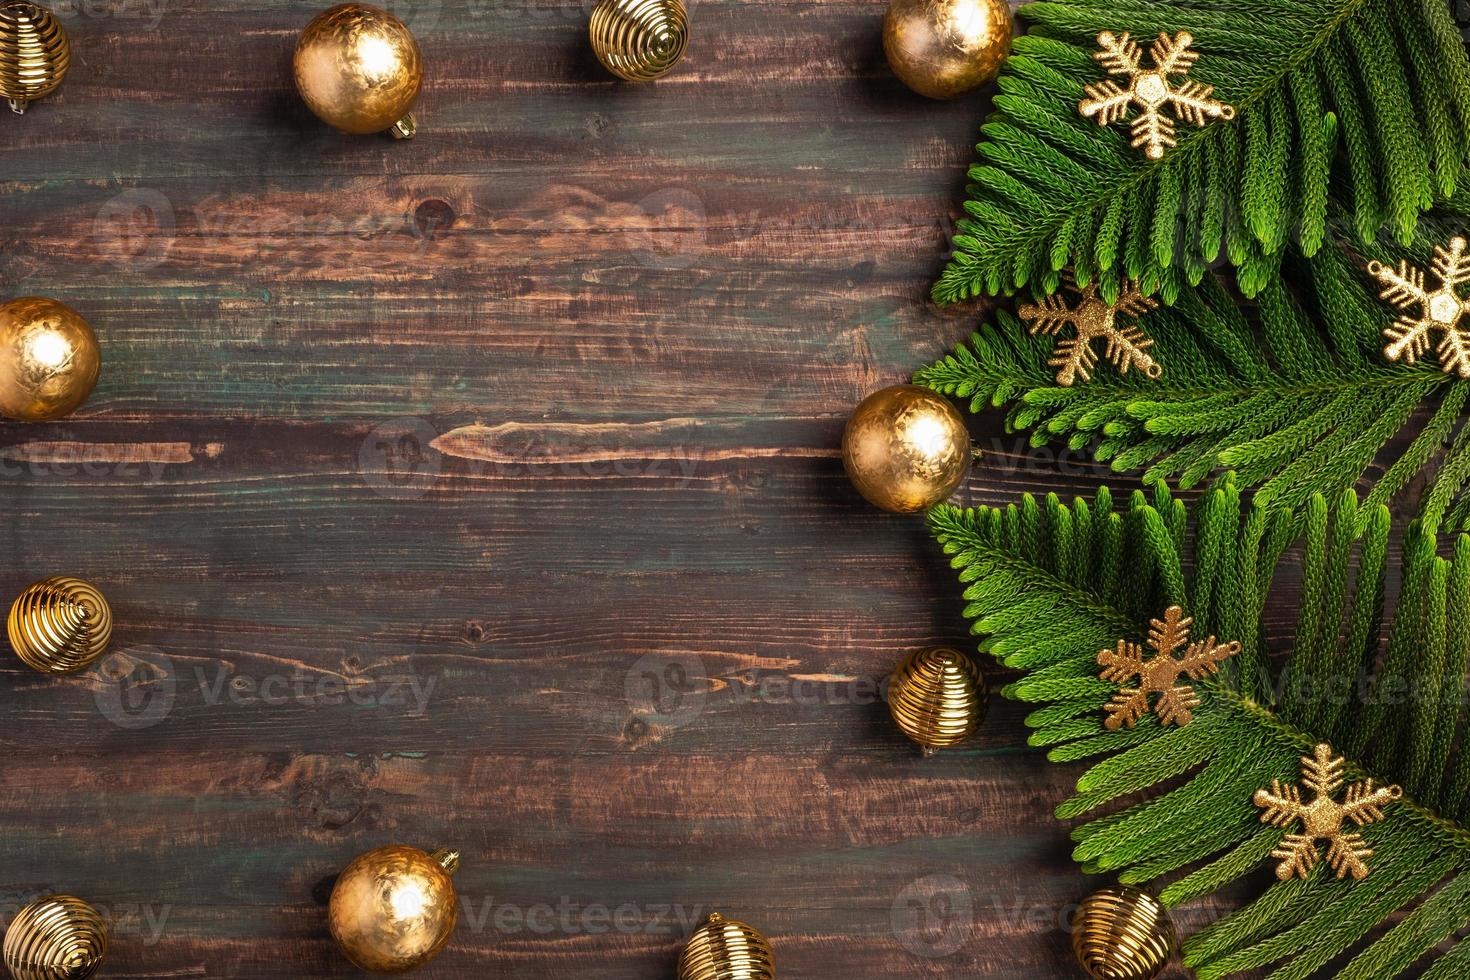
x: 639, y: 40
x: 937, y: 697
x: 394, y: 908
x: 59, y: 937
x: 945, y: 48
x: 34, y: 53
x: 60, y: 625
x: 727, y: 949
x: 49, y: 359
x: 1323, y: 820
x: 359, y: 69
x: 1122, y: 933
x: 906, y: 448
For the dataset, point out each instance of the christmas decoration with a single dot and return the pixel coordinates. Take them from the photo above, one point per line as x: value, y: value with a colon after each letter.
x: 639, y: 40
x: 945, y: 48
x: 394, y: 908
x: 1441, y: 312
x: 1369, y: 105
x: 60, y: 625
x: 55, y: 938
x: 1121, y: 933
x: 1151, y: 92
x: 34, y: 53
x: 1093, y: 319
x: 937, y: 697
x: 726, y: 949
x: 1159, y: 674
x: 906, y: 448
x: 1323, y: 818
x: 49, y: 359
x: 359, y: 69
x: 1048, y: 583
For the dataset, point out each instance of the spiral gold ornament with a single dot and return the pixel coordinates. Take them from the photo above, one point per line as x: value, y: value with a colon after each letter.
x: 34, y: 53
x: 639, y: 40
x: 394, y: 908
x: 56, y: 938
x: 725, y: 949
x: 1121, y: 933
x: 938, y: 698
x: 60, y: 625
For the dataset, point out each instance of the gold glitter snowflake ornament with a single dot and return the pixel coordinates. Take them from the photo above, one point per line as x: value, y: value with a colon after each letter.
x: 1159, y: 675
x: 1323, y: 818
x: 1151, y: 91
x: 1093, y: 319
x: 1442, y: 311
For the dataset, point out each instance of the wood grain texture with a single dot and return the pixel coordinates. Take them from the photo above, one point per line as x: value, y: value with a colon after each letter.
x: 483, y: 491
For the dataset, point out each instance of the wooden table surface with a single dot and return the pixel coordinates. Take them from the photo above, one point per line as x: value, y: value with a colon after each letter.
x: 483, y: 491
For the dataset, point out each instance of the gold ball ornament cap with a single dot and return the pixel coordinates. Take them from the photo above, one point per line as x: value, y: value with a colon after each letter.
x: 394, y: 908
x: 946, y: 48
x: 727, y: 949
x: 59, y: 937
x: 937, y: 697
x: 906, y: 448
x: 34, y: 53
x: 60, y: 625
x: 359, y: 69
x: 639, y: 40
x: 49, y: 359
x: 1122, y: 933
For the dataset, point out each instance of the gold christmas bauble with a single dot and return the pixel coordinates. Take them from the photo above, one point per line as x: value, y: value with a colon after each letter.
x: 60, y: 625
x: 938, y: 697
x: 906, y: 448
x: 34, y: 53
x: 1121, y: 933
x: 639, y: 40
x: 359, y: 69
x: 394, y: 908
x: 56, y: 938
x: 945, y: 48
x: 49, y: 359
x: 726, y: 949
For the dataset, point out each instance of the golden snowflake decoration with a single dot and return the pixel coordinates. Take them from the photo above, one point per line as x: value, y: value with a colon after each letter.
x: 1160, y: 674
x: 1442, y: 311
x: 1151, y: 91
x: 1323, y: 818
x: 1094, y: 319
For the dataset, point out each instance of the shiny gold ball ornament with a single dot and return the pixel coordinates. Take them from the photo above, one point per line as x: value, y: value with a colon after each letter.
x: 34, y: 53
x: 56, y: 938
x: 359, y: 69
x: 726, y: 949
x: 49, y: 359
x: 906, y: 448
x: 945, y: 48
x: 938, y: 697
x: 639, y: 40
x: 1121, y: 933
x: 394, y: 908
x: 59, y: 625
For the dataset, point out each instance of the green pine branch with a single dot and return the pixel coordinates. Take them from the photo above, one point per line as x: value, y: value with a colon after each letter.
x: 1293, y: 394
x: 1371, y: 95
x: 1048, y: 586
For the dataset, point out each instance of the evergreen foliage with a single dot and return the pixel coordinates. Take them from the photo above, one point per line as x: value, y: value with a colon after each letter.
x: 1372, y: 96
x: 1049, y: 585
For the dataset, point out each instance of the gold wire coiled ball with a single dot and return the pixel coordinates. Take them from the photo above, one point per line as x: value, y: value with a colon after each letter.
x: 938, y: 698
x: 56, y: 938
x: 639, y: 40
x: 60, y: 625
x: 34, y: 53
x: 726, y: 949
x: 1121, y: 933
